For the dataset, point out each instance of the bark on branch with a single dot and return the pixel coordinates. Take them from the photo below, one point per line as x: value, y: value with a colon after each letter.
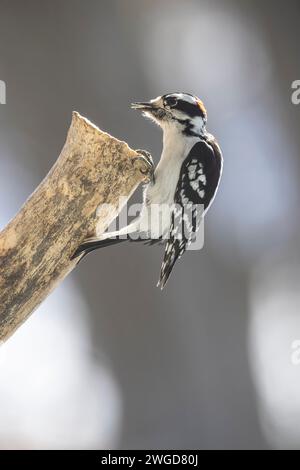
x: 35, y: 247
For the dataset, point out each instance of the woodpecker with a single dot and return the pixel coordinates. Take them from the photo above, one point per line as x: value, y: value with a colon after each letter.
x: 187, y: 176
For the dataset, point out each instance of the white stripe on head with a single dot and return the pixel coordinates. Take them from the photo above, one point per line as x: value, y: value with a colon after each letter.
x: 188, y: 98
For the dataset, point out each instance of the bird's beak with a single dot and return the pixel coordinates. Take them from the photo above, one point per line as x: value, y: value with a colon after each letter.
x: 147, y: 106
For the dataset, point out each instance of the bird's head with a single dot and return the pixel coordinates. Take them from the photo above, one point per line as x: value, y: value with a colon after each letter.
x: 181, y: 111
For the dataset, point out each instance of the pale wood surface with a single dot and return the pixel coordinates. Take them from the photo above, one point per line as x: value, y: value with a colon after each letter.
x: 35, y: 247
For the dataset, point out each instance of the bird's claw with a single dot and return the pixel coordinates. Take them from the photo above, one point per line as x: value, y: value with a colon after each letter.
x: 146, y: 157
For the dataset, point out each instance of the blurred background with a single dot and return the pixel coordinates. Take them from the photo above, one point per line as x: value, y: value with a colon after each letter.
x: 108, y: 360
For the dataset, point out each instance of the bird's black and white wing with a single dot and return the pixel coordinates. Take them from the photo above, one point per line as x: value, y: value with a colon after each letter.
x: 197, y: 185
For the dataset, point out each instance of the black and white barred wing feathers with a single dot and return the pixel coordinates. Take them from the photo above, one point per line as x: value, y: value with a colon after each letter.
x: 197, y: 185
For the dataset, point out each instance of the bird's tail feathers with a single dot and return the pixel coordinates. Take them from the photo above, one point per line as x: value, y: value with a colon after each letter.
x: 92, y: 244
x: 107, y: 239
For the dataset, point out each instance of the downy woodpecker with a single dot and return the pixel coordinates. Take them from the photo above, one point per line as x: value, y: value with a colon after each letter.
x: 187, y: 176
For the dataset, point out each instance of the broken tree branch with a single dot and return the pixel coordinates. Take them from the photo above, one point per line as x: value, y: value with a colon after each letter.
x: 35, y: 247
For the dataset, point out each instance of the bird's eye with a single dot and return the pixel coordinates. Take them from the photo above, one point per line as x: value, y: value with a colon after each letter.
x: 171, y: 102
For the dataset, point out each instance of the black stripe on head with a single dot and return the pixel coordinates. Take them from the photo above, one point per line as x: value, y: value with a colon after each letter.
x: 191, y: 109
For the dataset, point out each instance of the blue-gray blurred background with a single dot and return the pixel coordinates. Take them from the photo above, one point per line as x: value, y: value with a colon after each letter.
x: 108, y: 361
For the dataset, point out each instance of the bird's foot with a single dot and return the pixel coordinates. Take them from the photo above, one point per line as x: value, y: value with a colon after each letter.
x: 146, y: 157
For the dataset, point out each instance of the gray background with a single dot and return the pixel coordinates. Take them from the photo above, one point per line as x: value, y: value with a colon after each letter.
x: 183, y: 360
